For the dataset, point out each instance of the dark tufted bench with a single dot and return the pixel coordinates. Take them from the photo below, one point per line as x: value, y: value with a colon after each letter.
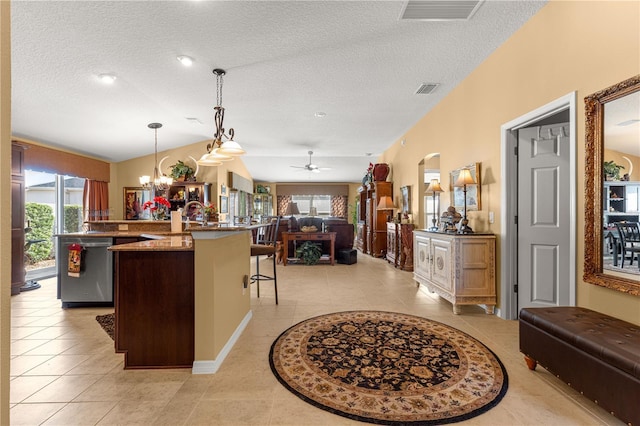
x: 595, y: 354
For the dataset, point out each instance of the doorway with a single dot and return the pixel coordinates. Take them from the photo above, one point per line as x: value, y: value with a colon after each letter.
x: 543, y: 255
x: 53, y: 205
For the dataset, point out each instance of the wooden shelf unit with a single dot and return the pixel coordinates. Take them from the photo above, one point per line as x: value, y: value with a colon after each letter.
x: 180, y: 193
x: 17, y: 218
x: 372, y: 223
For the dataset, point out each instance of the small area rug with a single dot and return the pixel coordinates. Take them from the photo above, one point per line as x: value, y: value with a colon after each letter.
x: 107, y: 322
x: 388, y: 368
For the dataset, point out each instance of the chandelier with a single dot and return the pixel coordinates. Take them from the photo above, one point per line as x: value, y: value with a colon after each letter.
x: 219, y: 150
x: 160, y: 181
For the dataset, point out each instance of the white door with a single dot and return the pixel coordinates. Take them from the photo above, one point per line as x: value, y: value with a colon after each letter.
x: 544, y: 210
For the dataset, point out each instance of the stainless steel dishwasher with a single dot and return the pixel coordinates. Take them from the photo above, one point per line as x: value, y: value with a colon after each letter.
x: 94, y: 285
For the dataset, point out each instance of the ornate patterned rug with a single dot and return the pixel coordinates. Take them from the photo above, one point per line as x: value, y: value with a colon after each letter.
x: 107, y: 322
x: 388, y: 368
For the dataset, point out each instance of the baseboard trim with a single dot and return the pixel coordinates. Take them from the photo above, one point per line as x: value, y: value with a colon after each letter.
x: 210, y: 367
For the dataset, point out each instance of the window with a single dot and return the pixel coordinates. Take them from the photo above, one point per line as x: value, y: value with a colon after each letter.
x: 322, y: 203
x: 428, y: 199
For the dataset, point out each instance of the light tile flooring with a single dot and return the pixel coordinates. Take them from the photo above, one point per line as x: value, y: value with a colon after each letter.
x: 64, y: 370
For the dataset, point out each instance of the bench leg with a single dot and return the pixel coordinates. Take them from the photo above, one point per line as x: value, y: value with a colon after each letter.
x: 531, y: 363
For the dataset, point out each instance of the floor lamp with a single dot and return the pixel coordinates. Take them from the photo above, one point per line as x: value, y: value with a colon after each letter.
x: 465, y: 179
x: 433, y: 189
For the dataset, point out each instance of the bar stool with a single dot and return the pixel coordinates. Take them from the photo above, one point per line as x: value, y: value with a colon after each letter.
x: 266, y: 248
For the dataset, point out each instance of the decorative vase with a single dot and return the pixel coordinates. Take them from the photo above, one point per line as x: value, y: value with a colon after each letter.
x: 159, y: 213
x: 380, y: 172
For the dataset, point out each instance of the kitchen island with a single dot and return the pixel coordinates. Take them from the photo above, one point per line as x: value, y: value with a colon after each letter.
x: 182, y: 300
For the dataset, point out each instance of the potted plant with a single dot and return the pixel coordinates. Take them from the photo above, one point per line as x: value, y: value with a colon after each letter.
x: 309, y: 252
x: 611, y: 170
x: 182, y: 172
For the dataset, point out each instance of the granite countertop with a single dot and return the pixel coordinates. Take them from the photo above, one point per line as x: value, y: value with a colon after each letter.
x: 159, y: 243
x: 159, y: 240
x: 98, y: 234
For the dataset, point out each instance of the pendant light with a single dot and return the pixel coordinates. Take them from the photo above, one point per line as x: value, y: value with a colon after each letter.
x: 160, y: 181
x: 219, y: 150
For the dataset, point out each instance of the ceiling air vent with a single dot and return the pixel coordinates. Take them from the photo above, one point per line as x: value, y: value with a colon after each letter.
x: 440, y: 10
x: 426, y: 88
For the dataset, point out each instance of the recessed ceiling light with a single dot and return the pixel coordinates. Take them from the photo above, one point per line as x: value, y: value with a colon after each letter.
x: 320, y: 114
x: 107, y: 78
x: 187, y: 61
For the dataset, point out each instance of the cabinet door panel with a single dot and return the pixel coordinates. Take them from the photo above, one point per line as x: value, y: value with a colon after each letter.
x: 422, y: 257
x: 441, y: 272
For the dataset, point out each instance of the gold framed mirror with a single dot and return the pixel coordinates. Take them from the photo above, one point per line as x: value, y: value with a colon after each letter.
x: 612, y: 118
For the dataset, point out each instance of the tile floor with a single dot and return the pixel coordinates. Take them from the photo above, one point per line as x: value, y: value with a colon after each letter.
x: 64, y: 370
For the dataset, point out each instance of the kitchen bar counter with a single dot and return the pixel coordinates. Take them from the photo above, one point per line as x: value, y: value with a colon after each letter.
x: 181, y: 299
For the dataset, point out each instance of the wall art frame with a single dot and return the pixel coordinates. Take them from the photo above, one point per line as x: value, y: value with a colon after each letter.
x: 474, y: 199
x: 224, y: 204
x: 134, y: 198
x: 406, y: 198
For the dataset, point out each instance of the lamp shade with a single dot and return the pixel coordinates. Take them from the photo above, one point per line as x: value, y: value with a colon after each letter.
x: 292, y: 209
x: 434, y: 186
x: 386, y: 203
x: 231, y: 148
x: 465, y: 178
x: 208, y: 160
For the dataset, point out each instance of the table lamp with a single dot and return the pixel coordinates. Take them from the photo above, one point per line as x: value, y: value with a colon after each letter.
x: 465, y: 178
x: 433, y: 189
x: 386, y: 203
x: 292, y: 209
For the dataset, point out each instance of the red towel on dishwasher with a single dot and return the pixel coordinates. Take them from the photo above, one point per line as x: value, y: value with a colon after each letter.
x: 75, y: 260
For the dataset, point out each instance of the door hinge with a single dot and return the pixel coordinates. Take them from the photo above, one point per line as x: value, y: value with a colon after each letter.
x: 515, y: 220
x: 515, y: 150
x: 515, y: 288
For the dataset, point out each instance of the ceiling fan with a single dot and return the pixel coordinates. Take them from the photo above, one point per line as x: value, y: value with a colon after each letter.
x: 310, y: 167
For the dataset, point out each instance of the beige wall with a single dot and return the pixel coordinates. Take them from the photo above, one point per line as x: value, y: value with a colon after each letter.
x: 5, y: 200
x: 568, y: 46
x: 126, y: 173
x: 617, y: 158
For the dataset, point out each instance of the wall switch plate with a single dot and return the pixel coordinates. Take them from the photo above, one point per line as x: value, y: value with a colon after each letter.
x: 123, y: 227
x: 491, y: 218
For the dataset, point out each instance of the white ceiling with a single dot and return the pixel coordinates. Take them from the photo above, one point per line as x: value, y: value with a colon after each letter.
x: 356, y: 61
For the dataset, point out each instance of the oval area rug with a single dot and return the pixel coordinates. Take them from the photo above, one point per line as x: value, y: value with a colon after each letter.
x: 388, y: 368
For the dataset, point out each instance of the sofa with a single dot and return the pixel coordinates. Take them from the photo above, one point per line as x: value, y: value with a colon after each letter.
x: 597, y: 355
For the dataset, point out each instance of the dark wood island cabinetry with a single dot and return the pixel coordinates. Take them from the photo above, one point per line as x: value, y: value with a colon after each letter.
x: 155, y: 308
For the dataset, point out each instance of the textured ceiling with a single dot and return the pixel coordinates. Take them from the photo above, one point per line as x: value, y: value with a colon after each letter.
x: 356, y: 61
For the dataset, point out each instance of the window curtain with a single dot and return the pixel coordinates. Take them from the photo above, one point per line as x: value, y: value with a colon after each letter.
x: 339, y: 206
x: 95, y: 200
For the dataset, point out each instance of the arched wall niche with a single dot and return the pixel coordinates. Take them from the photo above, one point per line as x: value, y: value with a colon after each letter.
x: 429, y: 164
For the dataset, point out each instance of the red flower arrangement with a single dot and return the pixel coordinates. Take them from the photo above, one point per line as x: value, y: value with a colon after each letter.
x: 153, y: 205
x: 210, y: 209
x: 370, y: 168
